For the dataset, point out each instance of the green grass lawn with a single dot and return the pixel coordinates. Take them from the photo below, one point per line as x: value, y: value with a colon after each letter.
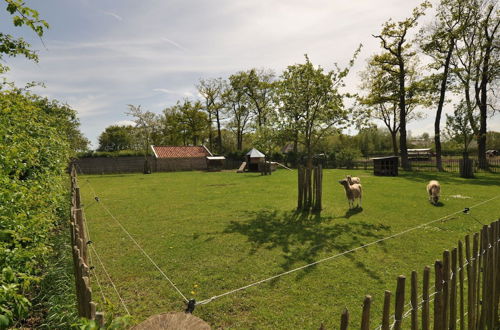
x: 215, y: 232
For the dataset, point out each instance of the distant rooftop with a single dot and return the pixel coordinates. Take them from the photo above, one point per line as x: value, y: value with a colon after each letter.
x: 180, y: 152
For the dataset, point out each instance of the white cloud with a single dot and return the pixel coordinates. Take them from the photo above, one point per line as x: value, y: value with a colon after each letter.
x: 125, y: 123
x: 118, y: 17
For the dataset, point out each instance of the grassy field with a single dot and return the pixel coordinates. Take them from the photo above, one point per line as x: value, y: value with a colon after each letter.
x: 215, y: 232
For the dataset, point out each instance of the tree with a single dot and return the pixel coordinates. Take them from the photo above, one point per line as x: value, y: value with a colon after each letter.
x: 259, y: 88
x: 381, y: 82
x: 194, y: 121
x: 237, y: 107
x: 310, y: 104
x: 393, y: 39
x: 438, y: 41
x: 212, y: 92
x: 476, y: 63
x: 116, y: 138
x: 147, y: 130
x: 458, y: 127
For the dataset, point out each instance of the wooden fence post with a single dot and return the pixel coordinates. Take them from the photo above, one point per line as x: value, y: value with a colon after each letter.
x: 344, y: 320
x: 365, y: 320
x: 461, y: 278
x: 453, y: 291
x: 414, y: 301
x: 400, y: 302
x: 300, y: 187
x: 438, y: 304
x: 446, y: 288
x: 425, y: 298
x: 387, y: 310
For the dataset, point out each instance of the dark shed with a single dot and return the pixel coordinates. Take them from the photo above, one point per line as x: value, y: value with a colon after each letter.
x: 386, y: 166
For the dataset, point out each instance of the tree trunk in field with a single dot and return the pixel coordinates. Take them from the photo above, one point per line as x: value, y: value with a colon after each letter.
x: 402, y: 117
x: 219, y: 134
x: 210, y: 137
x: 442, y: 93
x: 394, y: 143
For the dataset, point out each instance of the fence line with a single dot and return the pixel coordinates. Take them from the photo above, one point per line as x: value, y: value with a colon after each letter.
x: 138, y: 245
x: 79, y: 243
x: 467, y: 290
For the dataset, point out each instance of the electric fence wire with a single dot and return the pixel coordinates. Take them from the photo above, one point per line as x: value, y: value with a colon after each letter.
x: 137, y: 244
x: 103, y: 267
x: 206, y: 301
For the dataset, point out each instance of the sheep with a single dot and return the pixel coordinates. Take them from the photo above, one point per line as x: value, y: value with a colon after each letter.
x: 433, y: 189
x: 353, y: 179
x: 352, y: 191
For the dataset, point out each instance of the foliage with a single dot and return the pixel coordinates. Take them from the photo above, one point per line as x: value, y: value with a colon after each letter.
x: 458, y: 127
x: 397, y: 61
x: 310, y: 104
x: 22, y: 15
x: 34, y: 153
x: 116, y: 138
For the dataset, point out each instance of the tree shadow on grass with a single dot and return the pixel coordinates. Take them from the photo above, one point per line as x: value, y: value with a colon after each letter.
x: 305, y: 238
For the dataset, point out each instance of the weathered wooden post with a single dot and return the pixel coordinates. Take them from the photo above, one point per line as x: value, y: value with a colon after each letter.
x: 400, y: 302
x: 365, y: 319
x: 387, y: 310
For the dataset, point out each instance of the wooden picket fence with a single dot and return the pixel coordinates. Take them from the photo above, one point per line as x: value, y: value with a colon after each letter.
x: 465, y: 294
x: 79, y: 242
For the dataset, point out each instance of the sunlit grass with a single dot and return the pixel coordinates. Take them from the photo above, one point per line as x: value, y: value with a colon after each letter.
x: 215, y: 232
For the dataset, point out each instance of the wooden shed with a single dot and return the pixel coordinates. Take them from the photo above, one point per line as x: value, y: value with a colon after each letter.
x: 215, y: 163
x: 386, y: 166
x: 253, y: 158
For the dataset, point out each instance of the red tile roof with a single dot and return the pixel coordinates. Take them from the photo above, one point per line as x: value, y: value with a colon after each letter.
x: 180, y: 152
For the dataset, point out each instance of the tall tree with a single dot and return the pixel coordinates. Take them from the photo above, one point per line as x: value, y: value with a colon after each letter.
x: 438, y: 41
x: 381, y: 84
x: 394, y: 60
x: 212, y: 92
x: 258, y: 86
x: 310, y: 103
x: 238, y: 108
x: 195, y: 122
x: 147, y: 127
x: 476, y: 63
x: 458, y: 127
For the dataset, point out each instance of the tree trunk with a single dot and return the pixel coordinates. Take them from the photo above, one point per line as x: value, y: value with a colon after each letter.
x: 210, y: 138
x: 219, y: 135
x: 394, y: 143
x: 402, y: 118
x: 442, y: 93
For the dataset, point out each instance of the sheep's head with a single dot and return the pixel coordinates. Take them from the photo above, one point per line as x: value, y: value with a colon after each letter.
x: 343, y: 182
x: 435, y: 199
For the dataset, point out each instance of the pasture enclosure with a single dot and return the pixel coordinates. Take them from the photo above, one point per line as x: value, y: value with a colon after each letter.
x: 212, y: 233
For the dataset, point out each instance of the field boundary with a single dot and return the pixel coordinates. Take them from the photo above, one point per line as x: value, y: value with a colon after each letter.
x: 466, y: 296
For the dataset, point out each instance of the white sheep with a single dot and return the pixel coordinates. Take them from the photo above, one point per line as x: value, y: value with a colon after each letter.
x: 353, y: 179
x: 352, y: 191
x: 433, y: 189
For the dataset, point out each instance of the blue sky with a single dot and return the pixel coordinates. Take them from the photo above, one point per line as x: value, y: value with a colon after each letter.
x: 99, y: 56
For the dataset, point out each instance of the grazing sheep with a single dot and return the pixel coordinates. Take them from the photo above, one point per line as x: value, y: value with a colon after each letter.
x: 352, y: 191
x: 353, y: 179
x: 433, y: 189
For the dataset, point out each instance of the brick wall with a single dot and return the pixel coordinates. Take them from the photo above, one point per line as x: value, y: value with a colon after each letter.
x: 112, y: 165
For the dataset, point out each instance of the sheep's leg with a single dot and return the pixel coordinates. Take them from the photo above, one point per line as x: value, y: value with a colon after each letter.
x: 360, y: 201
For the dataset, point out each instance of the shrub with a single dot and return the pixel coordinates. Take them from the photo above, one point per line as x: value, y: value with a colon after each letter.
x: 34, y: 153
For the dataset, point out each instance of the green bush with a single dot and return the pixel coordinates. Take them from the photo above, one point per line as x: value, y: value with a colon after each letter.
x: 34, y: 153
